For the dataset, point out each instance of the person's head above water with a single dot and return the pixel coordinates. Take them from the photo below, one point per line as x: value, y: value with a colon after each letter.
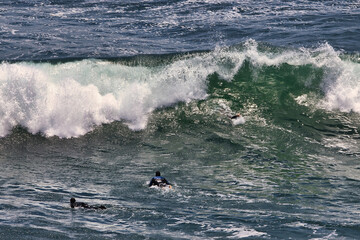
x: 235, y: 116
x: 157, y: 173
x: 72, y: 202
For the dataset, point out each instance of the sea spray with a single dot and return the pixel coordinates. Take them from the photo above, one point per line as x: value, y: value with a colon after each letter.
x: 69, y: 99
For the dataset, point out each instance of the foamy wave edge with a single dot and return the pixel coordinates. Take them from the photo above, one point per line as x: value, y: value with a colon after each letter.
x: 70, y: 99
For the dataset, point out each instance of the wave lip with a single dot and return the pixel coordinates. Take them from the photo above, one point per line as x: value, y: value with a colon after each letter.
x: 70, y: 99
x: 63, y: 109
x: 64, y: 100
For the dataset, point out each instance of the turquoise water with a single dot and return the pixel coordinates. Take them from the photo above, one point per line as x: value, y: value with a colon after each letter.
x: 81, y: 117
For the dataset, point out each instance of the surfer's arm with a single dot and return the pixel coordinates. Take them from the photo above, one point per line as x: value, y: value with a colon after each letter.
x: 152, y: 182
x: 166, y: 181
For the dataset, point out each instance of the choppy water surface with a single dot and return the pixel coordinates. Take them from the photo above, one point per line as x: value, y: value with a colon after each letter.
x: 97, y: 96
x: 36, y: 30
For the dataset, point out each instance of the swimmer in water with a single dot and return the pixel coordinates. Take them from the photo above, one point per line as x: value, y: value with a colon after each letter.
x: 74, y: 203
x: 159, y: 181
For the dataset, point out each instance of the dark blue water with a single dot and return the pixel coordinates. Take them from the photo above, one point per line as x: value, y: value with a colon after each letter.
x: 95, y: 96
x: 37, y: 30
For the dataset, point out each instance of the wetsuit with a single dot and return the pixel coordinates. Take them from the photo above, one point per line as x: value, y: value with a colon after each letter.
x: 74, y: 204
x: 158, y: 181
x: 235, y: 116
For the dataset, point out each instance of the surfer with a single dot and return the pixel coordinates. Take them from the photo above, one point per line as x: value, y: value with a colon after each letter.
x: 74, y: 203
x: 236, y: 119
x: 236, y: 116
x: 159, y: 181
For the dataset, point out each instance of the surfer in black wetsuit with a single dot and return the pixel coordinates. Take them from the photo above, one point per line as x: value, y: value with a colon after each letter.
x: 159, y: 181
x: 74, y: 203
x: 236, y: 116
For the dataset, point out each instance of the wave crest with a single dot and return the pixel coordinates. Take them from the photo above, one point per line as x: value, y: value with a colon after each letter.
x: 70, y: 99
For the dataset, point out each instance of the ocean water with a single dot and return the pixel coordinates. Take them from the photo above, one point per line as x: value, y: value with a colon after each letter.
x: 95, y: 96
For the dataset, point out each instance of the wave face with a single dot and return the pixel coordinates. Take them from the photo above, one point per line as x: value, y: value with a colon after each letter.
x: 69, y: 99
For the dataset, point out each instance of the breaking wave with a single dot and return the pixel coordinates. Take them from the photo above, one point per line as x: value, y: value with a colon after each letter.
x: 69, y: 99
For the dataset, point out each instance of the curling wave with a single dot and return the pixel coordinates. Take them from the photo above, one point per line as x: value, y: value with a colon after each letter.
x: 70, y: 99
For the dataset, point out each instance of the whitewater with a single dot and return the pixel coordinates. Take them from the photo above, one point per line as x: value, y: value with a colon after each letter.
x: 69, y: 99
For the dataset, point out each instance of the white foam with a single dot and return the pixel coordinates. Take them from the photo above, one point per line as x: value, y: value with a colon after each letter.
x: 332, y: 235
x: 239, y: 232
x: 343, y: 92
x: 70, y: 99
x: 239, y: 120
x: 341, y: 81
